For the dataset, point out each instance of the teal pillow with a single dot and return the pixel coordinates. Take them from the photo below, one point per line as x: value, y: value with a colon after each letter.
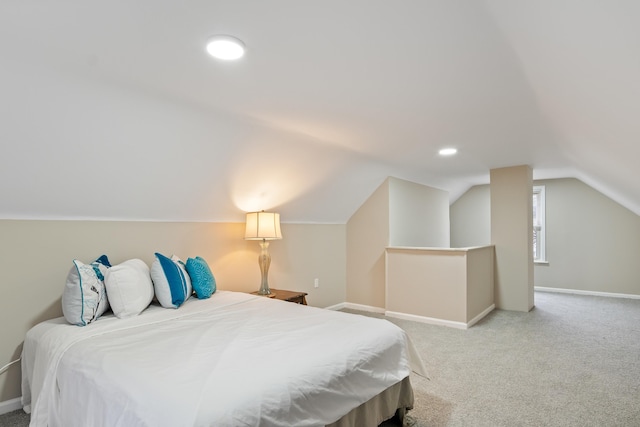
x: 202, y: 280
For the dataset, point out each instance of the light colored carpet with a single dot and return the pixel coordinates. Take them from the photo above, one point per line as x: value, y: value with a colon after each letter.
x: 14, y: 419
x: 572, y: 361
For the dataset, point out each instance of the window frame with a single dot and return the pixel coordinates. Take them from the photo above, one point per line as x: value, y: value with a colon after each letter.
x: 540, y: 242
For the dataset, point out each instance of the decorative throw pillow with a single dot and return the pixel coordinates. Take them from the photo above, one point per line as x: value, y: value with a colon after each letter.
x: 129, y: 288
x: 183, y: 268
x: 85, y: 297
x: 102, y: 259
x: 202, y: 280
x: 170, y: 281
x: 180, y: 263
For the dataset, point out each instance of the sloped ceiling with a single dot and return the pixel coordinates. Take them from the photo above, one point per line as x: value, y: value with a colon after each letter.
x: 112, y: 109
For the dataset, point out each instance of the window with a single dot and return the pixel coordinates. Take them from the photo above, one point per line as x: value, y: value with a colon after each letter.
x: 538, y: 224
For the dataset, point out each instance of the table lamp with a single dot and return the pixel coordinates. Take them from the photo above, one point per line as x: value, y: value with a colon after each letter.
x: 263, y: 226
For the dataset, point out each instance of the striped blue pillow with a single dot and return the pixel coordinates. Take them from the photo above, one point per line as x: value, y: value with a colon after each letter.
x: 171, y: 282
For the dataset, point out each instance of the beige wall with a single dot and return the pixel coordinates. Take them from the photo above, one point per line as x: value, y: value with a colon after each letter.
x: 418, y: 215
x: 471, y: 218
x: 450, y: 285
x: 592, y: 242
x: 398, y: 213
x: 512, y: 234
x: 428, y: 283
x: 36, y: 257
x: 367, y: 236
x: 480, y: 280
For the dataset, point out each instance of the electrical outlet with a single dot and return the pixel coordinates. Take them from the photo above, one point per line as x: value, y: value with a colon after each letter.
x: 316, y: 283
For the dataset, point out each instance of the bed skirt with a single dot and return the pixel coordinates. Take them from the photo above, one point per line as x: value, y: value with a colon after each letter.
x: 396, y: 399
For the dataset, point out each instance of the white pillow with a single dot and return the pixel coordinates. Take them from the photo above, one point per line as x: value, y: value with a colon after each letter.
x: 84, y: 298
x: 170, y: 281
x: 129, y: 288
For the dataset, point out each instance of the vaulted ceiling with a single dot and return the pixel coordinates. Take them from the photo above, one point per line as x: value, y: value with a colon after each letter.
x: 113, y: 110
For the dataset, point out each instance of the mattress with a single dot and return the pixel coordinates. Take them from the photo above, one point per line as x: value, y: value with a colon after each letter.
x: 231, y: 360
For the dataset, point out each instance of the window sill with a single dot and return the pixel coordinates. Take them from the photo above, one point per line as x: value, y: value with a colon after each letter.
x: 541, y: 262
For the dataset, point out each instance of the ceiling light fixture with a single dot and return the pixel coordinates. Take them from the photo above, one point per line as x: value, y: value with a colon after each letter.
x: 225, y: 47
x: 448, y: 151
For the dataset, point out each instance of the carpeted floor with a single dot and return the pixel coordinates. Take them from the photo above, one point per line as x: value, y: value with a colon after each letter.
x: 572, y: 361
x: 14, y: 419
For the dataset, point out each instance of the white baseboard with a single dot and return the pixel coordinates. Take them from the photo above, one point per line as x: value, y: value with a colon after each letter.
x: 442, y: 322
x: 10, y: 405
x: 336, y: 306
x: 481, y: 315
x: 352, y: 306
x: 429, y: 320
x: 361, y: 307
x: 592, y: 293
x: 413, y: 317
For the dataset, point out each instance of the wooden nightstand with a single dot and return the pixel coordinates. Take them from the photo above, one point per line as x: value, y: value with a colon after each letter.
x: 291, y: 296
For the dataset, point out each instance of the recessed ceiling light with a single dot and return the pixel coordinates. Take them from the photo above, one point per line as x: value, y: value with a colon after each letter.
x: 225, y: 47
x: 448, y: 151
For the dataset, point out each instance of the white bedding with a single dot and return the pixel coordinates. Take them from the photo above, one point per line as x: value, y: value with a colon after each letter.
x: 231, y: 360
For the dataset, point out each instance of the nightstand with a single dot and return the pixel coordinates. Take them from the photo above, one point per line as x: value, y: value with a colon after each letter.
x: 291, y: 296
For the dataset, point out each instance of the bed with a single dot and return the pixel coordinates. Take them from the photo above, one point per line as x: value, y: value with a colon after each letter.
x: 231, y: 360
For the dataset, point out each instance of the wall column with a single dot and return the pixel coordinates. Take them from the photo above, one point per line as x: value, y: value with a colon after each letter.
x: 512, y: 235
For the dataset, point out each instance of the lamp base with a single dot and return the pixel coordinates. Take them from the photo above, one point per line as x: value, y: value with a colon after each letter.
x: 271, y: 295
x: 264, y: 260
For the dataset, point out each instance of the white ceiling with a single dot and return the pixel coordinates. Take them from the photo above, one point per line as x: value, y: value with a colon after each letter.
x: 112, y: 109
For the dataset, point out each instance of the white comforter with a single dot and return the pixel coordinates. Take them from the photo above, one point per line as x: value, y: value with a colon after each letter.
x: 232, y: 360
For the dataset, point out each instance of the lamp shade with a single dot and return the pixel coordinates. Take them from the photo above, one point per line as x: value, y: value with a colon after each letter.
x: 263, y: 226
